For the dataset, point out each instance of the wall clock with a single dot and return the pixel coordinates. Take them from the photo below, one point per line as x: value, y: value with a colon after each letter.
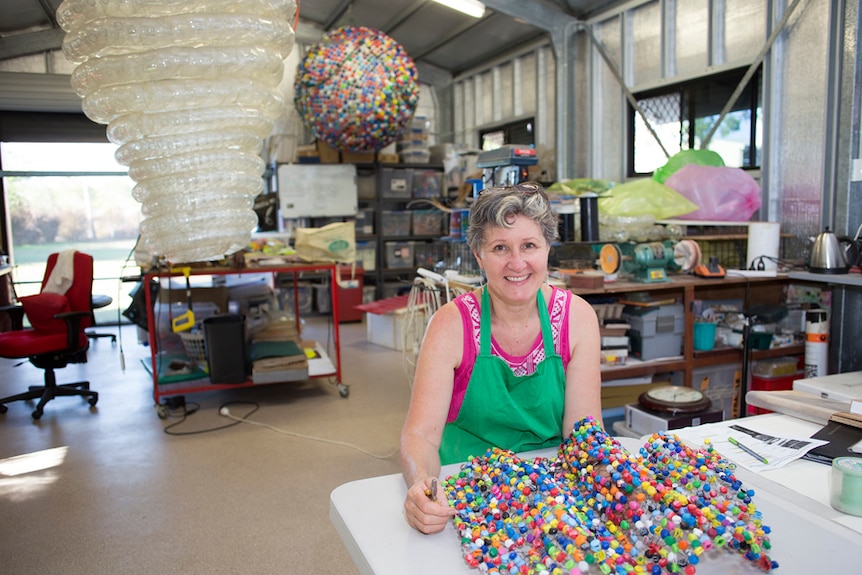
x: 674, y: 399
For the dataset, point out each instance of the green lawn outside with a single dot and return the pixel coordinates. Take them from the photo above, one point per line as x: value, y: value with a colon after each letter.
x: 108, y: 260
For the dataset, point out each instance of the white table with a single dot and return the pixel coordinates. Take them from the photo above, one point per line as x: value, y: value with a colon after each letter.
x: 808, y: 536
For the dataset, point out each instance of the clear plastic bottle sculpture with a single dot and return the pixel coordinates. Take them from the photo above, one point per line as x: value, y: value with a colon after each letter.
x: 188, y: 89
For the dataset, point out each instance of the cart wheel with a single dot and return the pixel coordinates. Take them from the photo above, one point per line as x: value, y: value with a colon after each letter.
x: 343, y: 390
x: 161, y: 411
x: 3, y: 408
x: 37, y: 413
x: 93, y: 400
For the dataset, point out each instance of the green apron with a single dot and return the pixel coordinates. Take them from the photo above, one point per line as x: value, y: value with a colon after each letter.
x: 501, y: 409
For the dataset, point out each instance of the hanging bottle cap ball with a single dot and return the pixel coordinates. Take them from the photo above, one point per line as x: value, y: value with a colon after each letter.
x: 357, y: 89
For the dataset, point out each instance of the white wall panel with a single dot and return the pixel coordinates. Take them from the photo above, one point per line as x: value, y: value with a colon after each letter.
x: 646, y: 43
x: 691, y: 32
x: 745, y: 29
x: 609, y: 107
x: 800, y: 150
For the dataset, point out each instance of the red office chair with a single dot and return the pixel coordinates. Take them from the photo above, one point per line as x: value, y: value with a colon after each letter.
x: 57, y: 337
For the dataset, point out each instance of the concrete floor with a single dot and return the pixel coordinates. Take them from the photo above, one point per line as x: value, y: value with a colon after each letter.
x: 106, y: 490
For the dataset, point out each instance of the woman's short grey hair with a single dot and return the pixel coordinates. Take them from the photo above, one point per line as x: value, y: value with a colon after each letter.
x: 498, y: 206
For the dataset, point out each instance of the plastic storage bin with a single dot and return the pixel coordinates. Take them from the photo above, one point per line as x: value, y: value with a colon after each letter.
x: 721, y: 384
x: 778, y: 383
x: 366, y: 255
x: 396, y: 183
x: 427, y: 223
x: 427, y: 183
x: 656, y: 331
x: 365, y: 221
x: 395, y: 222
x: 400, y: 254
x: 415, y: 156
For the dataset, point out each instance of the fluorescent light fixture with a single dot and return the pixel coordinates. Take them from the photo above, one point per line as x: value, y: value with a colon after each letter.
x: 472, y: 8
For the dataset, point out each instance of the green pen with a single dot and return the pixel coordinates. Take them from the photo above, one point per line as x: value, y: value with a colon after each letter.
x: 748, y: 450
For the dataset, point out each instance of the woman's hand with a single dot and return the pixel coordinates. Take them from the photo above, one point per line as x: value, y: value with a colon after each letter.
x: 422, y: 513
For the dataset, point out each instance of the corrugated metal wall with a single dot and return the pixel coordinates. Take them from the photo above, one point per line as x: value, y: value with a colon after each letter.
x: 654, y: 43
x: 812, y: 106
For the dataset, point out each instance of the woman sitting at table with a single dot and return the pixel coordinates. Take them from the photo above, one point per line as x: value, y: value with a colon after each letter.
x: 513, y: 364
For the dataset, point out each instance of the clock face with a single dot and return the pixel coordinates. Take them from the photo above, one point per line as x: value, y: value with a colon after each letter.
x: 674, y: 399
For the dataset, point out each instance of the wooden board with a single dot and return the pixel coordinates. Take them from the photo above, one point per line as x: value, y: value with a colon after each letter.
x: 798, y: 404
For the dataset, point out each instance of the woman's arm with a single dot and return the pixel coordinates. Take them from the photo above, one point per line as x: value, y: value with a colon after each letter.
x: 439, y: 355
x: 583, y: 374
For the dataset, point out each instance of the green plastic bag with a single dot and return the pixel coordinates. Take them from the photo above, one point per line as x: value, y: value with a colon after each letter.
x: 645, y: 197
x: 685, y: 157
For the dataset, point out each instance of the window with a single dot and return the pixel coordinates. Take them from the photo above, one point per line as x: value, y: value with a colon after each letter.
x: 683, y: 114
x: 69, y: 195
x: 520, y: 132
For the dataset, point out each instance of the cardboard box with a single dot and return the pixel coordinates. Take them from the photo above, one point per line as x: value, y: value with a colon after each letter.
x: 385, y: 158
x: 646, y: 422
x: 620, y: 395
x: 327, y: 154
x: 218, y: 296
x: 357, y: 157
x: 584, y: 280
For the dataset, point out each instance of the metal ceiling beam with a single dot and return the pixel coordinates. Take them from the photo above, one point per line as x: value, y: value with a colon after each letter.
x: 31, y: 43
x: 533, y: 13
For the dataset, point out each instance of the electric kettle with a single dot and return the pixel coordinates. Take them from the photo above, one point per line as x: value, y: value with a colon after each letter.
x: 827, y: 255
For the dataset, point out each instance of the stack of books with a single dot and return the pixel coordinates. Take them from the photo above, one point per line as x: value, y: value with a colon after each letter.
x: 615, y: 341
x: 276, y: 353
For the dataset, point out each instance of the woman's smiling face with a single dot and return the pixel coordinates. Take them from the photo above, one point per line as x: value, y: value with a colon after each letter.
x: 515, y: 259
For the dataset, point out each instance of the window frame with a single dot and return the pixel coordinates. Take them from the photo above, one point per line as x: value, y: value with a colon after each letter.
x: 750, y: 100
x: 510, y: 132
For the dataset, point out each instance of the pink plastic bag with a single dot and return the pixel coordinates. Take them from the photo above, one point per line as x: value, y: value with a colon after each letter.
x: 722, y: 193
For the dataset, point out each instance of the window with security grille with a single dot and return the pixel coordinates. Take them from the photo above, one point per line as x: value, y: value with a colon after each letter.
x: 681, y: 116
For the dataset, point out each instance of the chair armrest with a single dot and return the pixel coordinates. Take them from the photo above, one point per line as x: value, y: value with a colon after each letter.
x: 16, y: 315
x: 73, y: 326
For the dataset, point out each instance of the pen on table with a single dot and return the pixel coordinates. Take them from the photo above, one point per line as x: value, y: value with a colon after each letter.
x: 432, y: 491
x: 748, y: 450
